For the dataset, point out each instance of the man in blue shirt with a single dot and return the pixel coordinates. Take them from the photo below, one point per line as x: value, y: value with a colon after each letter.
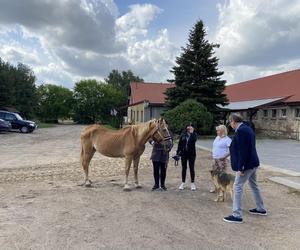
x: 244, y: 161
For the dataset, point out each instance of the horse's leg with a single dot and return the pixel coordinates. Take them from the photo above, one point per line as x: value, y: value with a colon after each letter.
x: 136, y: 162
x: 86, y: 156
x: 128, y: 161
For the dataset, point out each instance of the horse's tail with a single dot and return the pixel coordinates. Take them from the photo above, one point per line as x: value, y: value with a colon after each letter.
x: 86, y: 145
x: 81, y: 150
x: 82, y: 139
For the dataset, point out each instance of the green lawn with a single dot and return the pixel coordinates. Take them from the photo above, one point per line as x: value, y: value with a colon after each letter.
x: 45, y: 125
x: 108, y: 126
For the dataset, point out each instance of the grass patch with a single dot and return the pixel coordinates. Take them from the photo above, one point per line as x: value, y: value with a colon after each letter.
x: 293, y: 191
x: 45, y: 125
x: 109, y: 126
x: 212, y: 137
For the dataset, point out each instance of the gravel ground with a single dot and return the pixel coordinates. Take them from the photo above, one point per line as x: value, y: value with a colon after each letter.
x: 42, y: 206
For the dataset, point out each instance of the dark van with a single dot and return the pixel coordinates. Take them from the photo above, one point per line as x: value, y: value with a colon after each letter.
x: 17, y: 122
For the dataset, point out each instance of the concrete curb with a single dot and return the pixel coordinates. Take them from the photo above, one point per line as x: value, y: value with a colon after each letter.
x: 286, y: 182
x: 280, y: 180
x: 264, y: 166
x: 280, y: 170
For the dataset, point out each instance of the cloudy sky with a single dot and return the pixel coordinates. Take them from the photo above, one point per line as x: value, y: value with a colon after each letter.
x: 64, y: 41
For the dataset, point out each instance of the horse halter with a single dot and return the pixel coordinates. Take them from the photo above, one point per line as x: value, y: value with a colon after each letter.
x: 156, y: 130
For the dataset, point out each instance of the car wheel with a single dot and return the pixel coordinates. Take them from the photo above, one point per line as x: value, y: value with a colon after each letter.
x: 24, y: 129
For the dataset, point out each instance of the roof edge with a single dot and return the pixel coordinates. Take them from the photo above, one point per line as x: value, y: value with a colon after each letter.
x: 277, y: 74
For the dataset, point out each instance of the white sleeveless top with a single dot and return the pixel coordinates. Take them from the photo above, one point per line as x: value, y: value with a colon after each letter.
x: 221, y: 147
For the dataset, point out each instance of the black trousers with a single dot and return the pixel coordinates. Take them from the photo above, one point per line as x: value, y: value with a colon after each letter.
x: 159, y: 172
x: 191, y: 160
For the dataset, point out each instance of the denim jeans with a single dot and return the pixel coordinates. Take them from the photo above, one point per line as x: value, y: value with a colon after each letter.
x: 239, y: 182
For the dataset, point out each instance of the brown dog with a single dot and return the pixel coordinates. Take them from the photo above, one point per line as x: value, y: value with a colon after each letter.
x: 223, y: 183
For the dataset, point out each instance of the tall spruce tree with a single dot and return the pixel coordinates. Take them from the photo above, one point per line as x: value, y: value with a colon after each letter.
x: 196, y: 73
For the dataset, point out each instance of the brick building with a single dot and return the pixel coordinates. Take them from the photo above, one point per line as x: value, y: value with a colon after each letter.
x: 146, y: 101
x: 272, y: 103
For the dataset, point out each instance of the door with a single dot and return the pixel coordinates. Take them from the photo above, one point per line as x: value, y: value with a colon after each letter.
x: 13, y: 120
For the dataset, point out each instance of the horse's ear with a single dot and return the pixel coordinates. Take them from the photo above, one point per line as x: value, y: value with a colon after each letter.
x: 150, y: 123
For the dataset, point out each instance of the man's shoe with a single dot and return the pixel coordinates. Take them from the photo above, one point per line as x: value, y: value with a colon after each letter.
x: 155, y: 188
x: 182, y: 186
x: 255, y: 211
x: 233, y: 219
x: 163, y: 188
x: 193, y: 186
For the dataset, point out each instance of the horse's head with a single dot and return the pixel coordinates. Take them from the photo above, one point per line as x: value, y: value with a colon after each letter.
x: 163, y: 129
x: 154, y: 128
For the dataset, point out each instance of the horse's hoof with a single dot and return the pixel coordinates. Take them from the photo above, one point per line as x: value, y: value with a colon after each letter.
x: 138, y: 186
x: 126, y: 189
x: 88, y: 185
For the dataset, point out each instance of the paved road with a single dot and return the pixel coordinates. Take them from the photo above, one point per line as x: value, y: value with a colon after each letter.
x: 277, y: 153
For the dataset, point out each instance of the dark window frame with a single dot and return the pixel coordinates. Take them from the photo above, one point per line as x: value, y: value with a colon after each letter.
x: 283, y: 114
x: 274, y: 111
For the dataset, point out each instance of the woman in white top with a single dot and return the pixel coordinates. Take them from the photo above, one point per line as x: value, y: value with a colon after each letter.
x: 220, y: 151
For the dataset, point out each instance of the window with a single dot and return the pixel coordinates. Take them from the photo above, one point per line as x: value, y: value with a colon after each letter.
x: 297, y: 112
x: 265, y: 113
x: 131, y: 115
x: 10, y: 117
x: 274, y: 113
x: 283, y: 112
x: 142, y: 116
x: 137, y: 116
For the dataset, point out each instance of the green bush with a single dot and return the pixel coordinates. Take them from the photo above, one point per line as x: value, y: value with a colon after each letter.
x: 190, y: 111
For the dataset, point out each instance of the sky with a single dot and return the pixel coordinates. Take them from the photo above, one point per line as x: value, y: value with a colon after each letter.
x: 64, y: 41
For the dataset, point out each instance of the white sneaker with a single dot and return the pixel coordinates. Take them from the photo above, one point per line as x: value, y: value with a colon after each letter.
x: 182, y: 186
x: 193, y: 186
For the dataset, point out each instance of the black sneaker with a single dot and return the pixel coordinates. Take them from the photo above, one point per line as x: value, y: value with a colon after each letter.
x: 255, y: 211
x: 155, y: 188
x: 164, y: 188
x: 233, y: 219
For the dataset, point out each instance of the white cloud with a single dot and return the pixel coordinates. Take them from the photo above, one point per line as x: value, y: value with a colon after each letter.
x: 18, y: 53
x: 135, y: 22
x: 158, y: 54
x: 257, y: 37
x: 83, y: 25
x: 70, y: 39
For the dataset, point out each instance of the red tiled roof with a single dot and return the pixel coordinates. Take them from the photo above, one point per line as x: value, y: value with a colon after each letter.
x: 285, y: 84
x: 153, y: 92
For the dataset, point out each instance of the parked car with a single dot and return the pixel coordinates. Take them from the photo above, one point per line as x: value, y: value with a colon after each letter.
x: 17, y: 122
x: 5, y: 125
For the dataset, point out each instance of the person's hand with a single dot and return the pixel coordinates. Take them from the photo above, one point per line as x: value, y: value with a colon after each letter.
x: 190, y: 129
x: 240, y: 173
x: 151, y: 141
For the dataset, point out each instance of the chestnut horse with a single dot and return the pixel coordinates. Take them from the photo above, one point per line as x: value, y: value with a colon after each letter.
x: 128, y: 143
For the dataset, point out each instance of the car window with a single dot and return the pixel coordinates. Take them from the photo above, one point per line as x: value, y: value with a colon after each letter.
x: 2, y: 115
x: 18, y: 117
x: 10, y: 117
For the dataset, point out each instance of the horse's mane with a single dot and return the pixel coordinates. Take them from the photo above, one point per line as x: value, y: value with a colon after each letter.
x: 133, y: 128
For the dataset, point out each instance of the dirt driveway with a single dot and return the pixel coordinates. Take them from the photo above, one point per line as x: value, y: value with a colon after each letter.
x: 42, y: 206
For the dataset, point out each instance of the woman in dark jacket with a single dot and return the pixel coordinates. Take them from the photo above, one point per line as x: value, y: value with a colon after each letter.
x: 160, y: 159
x: 187, y: 151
